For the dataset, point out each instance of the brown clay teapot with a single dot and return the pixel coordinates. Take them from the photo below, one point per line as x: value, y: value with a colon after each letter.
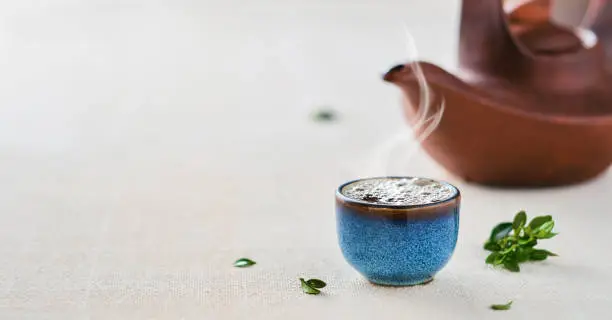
x: 531, y: 107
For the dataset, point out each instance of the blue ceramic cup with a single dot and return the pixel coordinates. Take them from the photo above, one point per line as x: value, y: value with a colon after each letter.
x: 397, y: 245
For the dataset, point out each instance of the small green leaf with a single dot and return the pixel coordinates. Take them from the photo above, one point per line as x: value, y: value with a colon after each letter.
x: 538, y: 221
x: 499, y: 259
x: 511, y: 265
x: 243, y: 263
x: 491, y: 258
x: 316, y: 283
x: 547, y: 226
x: 324, y: 115
x: 540, y: 254
x: 519, y: 221
x: 307, y: 288
x: 523, y: 254
x: 550, y: 254
x: 500, y: 231
x: 544, y: 230
x: 492, y: 246
x: 499, y: 307
x: 548, y: 236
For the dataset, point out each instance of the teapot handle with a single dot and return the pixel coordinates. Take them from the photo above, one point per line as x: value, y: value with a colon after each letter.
x: 486, y: 46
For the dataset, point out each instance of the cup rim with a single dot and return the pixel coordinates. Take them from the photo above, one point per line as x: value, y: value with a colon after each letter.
x: 360, y: 203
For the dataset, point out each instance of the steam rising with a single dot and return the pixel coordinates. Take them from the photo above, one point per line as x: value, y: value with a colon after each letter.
x: 408, y: 140
x: 425, y: 123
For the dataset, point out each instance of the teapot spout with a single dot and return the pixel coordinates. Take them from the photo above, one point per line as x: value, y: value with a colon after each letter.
x: 409, y: 75
x: 416, y: 78
x: 394, y: 74
x: 425, y: 88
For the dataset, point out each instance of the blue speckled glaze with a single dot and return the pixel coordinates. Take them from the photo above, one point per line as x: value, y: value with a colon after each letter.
x: 397, y: 250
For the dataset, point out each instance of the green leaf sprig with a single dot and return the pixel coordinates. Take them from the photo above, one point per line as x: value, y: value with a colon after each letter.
x: 499, y: 307
x: 312, y: 286
x: 512, y: 243
x: 324, y: 115
x: 243, y: 263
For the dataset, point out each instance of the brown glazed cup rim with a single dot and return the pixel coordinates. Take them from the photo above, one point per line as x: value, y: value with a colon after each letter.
x: 390, y: 209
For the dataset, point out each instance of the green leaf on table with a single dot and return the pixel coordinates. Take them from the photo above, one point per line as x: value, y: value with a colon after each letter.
x: 538, y: 221
x: 499, y: 307
x: 499, y: 260
x: 539, y: 255
x: 316, y: 283
x: 491, y: 258
x: 324, y: 115
x: 519, y: 221
x: 543, y: 230
x: 523, y: 254
x: 243, y: 263
x: 500, y: 231
x: 547, y: 226
x: 548, y: 236
x: 492, y: 246
x: 307, y: 288
x: 514, y: 243
x: 512, y: 265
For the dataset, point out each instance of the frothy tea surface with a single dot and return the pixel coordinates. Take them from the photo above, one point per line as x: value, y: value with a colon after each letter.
x: 399, y: 191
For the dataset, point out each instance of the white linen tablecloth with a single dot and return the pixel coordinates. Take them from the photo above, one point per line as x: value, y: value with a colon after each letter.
x: 146, y: 145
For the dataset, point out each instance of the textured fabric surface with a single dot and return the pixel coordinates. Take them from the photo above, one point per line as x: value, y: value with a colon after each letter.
x: 146, y: 145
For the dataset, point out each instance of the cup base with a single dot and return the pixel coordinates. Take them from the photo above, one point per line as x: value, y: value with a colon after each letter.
x: 401, y: 282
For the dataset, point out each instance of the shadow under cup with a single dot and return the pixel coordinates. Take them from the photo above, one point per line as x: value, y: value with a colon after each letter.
x: 397, y: 245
